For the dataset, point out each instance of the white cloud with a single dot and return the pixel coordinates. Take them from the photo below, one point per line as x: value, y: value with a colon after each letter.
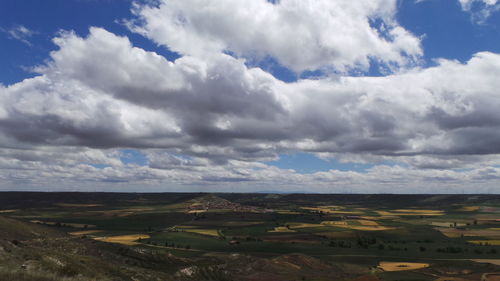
x: 101, y: 91
x: 209, y: 119
x: 481, y: 9
x: 20, y: 33
x: 302, y: 35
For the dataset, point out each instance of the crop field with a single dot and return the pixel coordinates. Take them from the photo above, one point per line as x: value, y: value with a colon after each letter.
x: 273, y: 237
x: 401, y: 266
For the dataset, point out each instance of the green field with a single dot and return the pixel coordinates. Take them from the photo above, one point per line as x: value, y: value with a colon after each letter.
x: 193, y: 236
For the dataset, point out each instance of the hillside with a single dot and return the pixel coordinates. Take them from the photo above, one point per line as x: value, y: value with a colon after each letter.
x: 34, y: 252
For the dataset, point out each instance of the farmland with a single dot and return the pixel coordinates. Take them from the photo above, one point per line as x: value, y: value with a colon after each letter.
x: 196, y: 236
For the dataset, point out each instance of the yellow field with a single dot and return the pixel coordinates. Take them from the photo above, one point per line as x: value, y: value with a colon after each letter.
x: 419, y: 211
x: 411, y: 212
x: 490, y: 233
x: 123, y: 239
x: 305, y: 225
x: 282, y: 229
x: 285, y: 212
x: 401, y: 266
x: 471, y: 208
x: 85, y: 232
x: 196, y: 211
x: 483, y: 242
x: 368, y: 222
x: 331, y: 211
x: 208, y: 232
x: 446, y: 224
x: 333, y: 207
x: 369, y: 218
x: 334, y: 223
x: 7, y: 211
x: 368, y: 226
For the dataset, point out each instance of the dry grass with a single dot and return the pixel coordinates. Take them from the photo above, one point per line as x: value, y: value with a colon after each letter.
x: 282, y: 229
x: 196, y: 211
x: 401, y: 266
x: 492, y: 261
x: 7, y: 211
x: 129, y: 240
x: 491, y: 277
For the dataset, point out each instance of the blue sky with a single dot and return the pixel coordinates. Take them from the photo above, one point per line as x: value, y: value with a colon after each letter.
x: 443, y: 29
x: 447, y: 31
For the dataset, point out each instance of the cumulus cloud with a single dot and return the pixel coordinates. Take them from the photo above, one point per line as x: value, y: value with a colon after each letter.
x: 100, y: 91
x: 208, y: 118
x: 342, y: 35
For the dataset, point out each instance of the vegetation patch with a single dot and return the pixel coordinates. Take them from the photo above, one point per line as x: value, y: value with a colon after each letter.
x: 68, y: 205
x: 63, y: 224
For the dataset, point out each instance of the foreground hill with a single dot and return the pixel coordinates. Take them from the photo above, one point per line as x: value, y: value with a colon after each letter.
x: 34, y: 252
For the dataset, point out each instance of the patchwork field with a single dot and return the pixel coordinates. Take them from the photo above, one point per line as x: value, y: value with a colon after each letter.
x: 188, y: 236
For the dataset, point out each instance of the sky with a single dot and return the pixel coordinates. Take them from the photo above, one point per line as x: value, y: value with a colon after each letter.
x: 321, y: 96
